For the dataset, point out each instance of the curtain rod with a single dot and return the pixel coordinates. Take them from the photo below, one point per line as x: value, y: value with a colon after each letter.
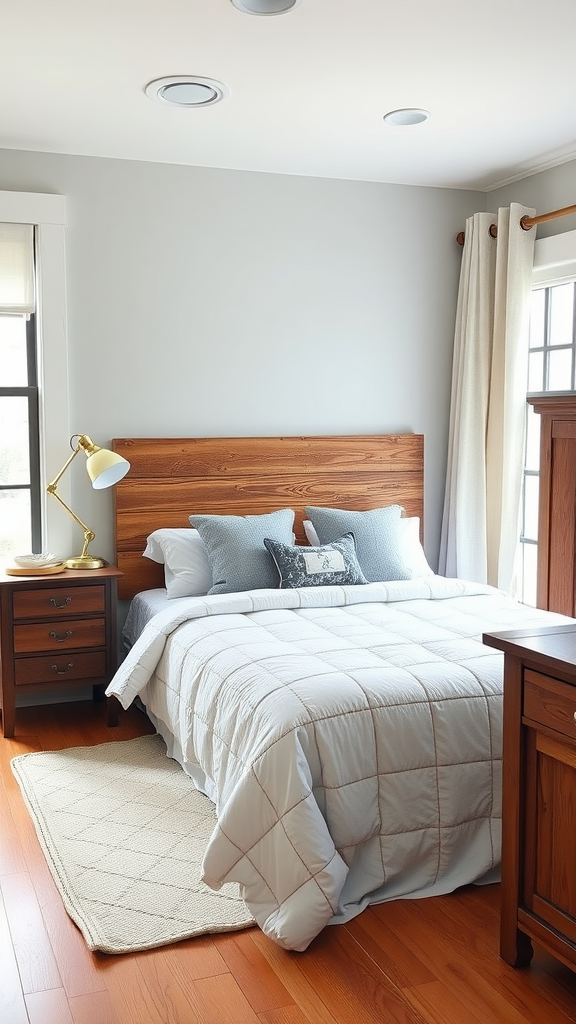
x: 527, y: 222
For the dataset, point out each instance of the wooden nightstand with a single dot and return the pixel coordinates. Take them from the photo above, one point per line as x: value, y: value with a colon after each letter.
x: 57, y: 630
x: 538, y: 793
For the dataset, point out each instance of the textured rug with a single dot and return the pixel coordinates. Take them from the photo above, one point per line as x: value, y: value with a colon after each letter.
x: 124, y: 831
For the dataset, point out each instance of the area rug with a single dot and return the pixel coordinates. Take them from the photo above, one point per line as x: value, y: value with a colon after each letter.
x: 124, y: 831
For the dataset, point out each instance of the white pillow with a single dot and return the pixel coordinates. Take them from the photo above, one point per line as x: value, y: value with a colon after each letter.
x: 411, y: 550
x: 183, y: 554
x: 311, y: 535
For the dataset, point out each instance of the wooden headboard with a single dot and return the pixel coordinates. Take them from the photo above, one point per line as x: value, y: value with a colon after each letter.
x: 172, y: 478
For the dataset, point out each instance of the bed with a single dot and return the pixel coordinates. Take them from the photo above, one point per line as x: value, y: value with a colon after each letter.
x: 349, y: 731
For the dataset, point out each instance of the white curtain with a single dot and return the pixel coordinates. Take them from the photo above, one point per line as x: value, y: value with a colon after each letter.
x: 480, y: 526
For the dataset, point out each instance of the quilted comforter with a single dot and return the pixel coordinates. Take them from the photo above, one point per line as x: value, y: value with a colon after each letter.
x: 350, y: 738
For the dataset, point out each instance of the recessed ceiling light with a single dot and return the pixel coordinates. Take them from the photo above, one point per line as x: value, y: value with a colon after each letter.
x: 186, y: 90
x: 407, y: 115
x: 266, y: 6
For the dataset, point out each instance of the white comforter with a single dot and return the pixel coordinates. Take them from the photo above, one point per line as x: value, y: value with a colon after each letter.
x: 349, y: 736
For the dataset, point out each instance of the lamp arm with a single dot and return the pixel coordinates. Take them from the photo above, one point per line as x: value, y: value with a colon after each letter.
x: 52, y: 489
x: 88, y: 534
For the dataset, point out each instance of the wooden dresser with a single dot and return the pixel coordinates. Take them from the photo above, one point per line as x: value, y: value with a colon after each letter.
x: 538, y: 793
x: 56, y: 631
x: 557, y: 501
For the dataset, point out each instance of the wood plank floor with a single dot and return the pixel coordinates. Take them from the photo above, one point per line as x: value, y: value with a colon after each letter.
x: 431, y: 961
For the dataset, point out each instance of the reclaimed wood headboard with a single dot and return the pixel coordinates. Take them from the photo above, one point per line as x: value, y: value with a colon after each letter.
x: 172, y: 478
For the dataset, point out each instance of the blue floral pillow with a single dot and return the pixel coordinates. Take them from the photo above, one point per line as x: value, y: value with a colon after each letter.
x: 327, y: 565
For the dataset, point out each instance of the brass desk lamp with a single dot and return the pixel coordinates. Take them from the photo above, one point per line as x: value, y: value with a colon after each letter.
x: 105, y: 468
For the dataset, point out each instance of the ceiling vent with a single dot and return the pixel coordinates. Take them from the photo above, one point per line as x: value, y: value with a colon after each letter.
x: 407, y: 115
x: 186, y: 91
x: 266, y: 6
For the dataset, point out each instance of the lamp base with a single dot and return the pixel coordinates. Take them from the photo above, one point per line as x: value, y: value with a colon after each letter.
x: 84, y: 562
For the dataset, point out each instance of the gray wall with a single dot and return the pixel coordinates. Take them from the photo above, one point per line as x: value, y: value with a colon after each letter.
x: 553, y: 189
x: 210, y: 302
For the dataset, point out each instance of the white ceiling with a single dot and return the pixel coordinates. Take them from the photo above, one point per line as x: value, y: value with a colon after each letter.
x: 307, y: 89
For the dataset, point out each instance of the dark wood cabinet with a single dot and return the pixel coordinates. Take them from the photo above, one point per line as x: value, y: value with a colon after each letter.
x: 538, y: 793
x: 557, y: 501
x: 56, y: 631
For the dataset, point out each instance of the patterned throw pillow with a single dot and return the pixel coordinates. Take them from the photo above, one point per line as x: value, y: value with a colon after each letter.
x: 327, y: 565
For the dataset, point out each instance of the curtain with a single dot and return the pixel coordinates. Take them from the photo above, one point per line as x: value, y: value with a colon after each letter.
x: 480, y: 525
x: 17, y: 269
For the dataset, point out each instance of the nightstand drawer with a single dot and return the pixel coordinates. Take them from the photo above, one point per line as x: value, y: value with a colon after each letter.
x: 58, y: 636
x: 34, y: 604
x: 549, y: 702
x: 59, y: 668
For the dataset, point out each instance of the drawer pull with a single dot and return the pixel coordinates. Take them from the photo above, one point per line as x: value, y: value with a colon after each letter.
x: 574, y: 716
x: 62, y: 671
x: 61, y: 639
x: 59, y: 604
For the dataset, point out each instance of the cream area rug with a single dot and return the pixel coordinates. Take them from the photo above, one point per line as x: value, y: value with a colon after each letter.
x: 124, y: 831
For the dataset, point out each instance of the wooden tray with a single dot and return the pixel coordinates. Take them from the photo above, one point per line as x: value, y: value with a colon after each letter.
x: 40, y: 570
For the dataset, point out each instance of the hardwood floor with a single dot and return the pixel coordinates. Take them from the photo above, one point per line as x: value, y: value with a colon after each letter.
x: 431, y: 961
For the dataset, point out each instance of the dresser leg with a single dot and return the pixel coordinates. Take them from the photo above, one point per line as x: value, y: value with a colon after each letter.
x: 516, y: 949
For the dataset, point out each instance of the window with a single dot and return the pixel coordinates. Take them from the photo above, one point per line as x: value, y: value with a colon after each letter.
x: 26, y: 474
x: 20, y: 506
x: 551, y: 367
x: 20, y: 526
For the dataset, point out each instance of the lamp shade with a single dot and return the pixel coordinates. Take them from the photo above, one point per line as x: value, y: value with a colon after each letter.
x: 105, y: 468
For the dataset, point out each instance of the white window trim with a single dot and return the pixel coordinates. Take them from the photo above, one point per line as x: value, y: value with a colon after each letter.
x: 48, y: 213
x: 555, y: 259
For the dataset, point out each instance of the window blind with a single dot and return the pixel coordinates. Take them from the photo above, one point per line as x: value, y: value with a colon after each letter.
x: 17, y: 269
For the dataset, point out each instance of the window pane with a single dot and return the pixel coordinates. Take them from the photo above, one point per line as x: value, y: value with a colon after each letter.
x: 13, y: 364
x: 537, y: 318
x: 15, y: 536
x: 14, y: 446
x: 536, y: 371
x: 531, y: 484
x: 560, y: 369
x: 561, y: 314
x: 532, y: 440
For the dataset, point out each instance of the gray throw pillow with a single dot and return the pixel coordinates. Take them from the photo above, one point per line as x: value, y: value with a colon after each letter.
x: 376, y: 533
x: 328, y: 565
x: 236, y: 551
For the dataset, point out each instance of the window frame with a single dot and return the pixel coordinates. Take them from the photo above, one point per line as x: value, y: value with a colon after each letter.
x: 47, y: 212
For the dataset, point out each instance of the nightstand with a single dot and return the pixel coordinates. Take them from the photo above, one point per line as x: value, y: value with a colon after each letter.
x: 56, y: 631
x: 538, y: 892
